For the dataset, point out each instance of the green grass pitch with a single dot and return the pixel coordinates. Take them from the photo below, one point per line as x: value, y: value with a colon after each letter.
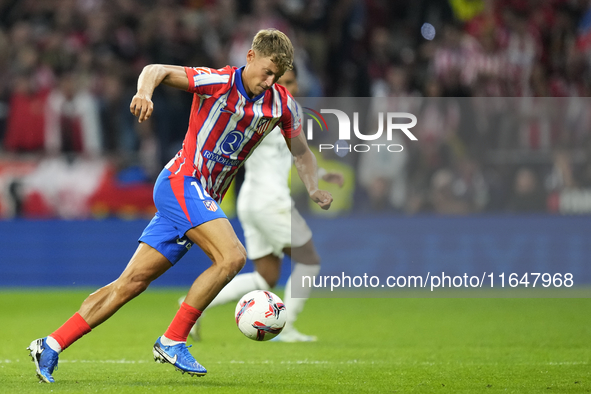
x: 366, y: 345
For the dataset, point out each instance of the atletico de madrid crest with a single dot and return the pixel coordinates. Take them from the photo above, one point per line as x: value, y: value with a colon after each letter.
x: 264, y: 125
x: 210, y: 205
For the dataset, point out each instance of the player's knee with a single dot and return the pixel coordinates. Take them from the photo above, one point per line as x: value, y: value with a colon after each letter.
x: 233, y: 263
x: 129, y: 288
x: 138, y: 287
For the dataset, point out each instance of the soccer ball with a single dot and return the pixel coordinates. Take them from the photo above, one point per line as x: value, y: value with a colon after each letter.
x: 260, y: 315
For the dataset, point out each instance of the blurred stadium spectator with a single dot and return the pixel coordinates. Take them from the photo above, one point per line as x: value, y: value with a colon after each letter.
x: 527, y: 192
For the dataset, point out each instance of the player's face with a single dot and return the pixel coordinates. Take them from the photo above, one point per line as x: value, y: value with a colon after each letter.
x: 290, y: 82
x: 259, y: 74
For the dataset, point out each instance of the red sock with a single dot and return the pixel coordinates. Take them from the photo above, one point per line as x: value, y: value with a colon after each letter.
x: 182, y: 323
x: 71, y: 331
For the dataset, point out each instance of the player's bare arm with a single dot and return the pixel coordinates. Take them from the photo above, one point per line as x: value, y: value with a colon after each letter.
x: 332, y: 177
x: 305, y: 163
x: 150, y: 77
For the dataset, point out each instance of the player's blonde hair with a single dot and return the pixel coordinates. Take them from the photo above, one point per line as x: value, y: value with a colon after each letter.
x: 276, y: 45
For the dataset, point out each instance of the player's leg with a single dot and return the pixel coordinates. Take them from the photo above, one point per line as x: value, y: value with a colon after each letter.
x: 268, y: 235
x: 145, y: 265
x: 240, y: 285
x: 219, y: 241
x: 244, y: 283
x: 305, y: 262
x: 258, y: 249
x: 269, y: 268
x: 264, y: 255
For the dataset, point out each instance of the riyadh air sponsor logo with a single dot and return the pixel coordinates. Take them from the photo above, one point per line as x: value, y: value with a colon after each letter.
x: 342, y: 146
x: 231, y: 142
x: 209, y: 155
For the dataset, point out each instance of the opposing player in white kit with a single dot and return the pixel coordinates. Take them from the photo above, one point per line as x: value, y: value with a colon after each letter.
x: 272, y: 226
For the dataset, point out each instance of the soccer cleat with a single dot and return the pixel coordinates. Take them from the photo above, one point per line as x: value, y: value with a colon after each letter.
x: 45, y: 359
x: 179, y: 356
x: 293, y: 335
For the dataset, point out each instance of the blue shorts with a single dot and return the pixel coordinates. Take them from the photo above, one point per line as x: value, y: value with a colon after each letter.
x: 182, y: 204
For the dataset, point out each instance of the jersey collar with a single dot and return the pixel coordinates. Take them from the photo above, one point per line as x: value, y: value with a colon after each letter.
x: 241, y: 89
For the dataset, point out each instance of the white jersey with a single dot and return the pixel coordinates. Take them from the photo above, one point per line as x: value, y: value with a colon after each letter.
x: 267, y: 170
x: 265, y: 208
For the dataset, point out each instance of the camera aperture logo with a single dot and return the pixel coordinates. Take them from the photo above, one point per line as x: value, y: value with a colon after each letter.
x: 342, y: 145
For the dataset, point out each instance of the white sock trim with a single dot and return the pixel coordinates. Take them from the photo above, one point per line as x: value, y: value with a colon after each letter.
x: 53, y: 344
x: 295, y: 305
x: 300, y: 270
x: 169, y: 342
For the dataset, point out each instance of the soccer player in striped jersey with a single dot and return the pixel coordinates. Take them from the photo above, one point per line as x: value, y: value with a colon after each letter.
x: 273, y: 226
x: 233, y: 110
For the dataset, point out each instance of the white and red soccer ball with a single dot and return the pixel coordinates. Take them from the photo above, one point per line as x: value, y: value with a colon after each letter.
x: 260, y: 315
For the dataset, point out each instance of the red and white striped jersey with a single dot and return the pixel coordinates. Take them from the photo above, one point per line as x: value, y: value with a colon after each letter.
x: 226, y: 125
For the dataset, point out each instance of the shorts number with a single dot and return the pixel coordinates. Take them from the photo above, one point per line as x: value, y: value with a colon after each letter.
x: 201, y: 193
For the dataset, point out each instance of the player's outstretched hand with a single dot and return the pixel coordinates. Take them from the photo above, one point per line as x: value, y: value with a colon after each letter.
x: 322, y: 198
x: 141, y: 106
x: 334, y: 177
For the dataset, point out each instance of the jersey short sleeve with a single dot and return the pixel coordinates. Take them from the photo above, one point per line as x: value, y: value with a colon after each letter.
x: 291, y: 118
x: 205, y: 81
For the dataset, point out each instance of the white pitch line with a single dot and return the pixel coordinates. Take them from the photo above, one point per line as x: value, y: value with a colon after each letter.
x: 299, y: 362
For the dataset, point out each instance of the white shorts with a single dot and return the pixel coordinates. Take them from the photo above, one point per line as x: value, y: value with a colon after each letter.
x: 270, y: 231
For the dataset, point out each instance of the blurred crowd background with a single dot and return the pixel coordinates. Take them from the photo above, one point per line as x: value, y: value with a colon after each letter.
x: 500, y: 91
